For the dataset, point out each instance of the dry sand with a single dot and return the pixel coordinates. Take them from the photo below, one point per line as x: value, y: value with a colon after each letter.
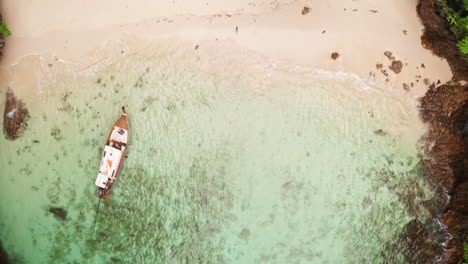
x: 82, y: 33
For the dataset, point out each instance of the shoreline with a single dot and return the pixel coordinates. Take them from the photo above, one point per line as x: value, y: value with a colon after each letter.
x: 311, y: 38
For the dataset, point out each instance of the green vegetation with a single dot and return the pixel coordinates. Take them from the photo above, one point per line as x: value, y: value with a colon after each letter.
x: 4, y: 30
x: 458, y: 20
x: 465, y: 245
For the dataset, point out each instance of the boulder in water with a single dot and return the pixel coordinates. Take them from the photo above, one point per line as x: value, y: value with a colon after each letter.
x: 59, y: 213
x: 3, y: 254
x: 15, y: 116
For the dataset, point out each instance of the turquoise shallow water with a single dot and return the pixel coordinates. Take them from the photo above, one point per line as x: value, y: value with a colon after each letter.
x: 224, y: 167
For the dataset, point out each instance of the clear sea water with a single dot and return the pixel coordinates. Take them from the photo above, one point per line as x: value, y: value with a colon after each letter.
x: 279, y: 164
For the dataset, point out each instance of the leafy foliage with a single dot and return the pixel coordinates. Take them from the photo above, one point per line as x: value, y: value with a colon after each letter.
x: 458, y: 22
x: 4, y: 30
x: 463, y: 45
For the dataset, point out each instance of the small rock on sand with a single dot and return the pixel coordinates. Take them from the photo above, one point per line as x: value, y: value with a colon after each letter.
x: 379, y: 66
x: 427, y: 81
x: 388, y: 54
x: 335, y: 55
x: 406, y: 87
x: 305, y: 10
x: 396, y: 66
x: 59, y: 213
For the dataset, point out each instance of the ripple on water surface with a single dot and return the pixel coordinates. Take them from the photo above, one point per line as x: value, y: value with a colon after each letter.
x: 306, y: 167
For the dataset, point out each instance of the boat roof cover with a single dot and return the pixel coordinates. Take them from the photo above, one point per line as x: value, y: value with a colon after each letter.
x: 119, y: 134
x: 110, y: 161
x: 101, y: 180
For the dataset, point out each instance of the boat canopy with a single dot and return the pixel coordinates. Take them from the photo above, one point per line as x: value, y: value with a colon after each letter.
x: 119, y: 135
x: 109, y: 165
x: 101, y: 180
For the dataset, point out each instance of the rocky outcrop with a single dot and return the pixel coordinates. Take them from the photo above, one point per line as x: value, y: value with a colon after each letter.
x: 438, y: 37
x: 445, y: 110
x: 15, y: 116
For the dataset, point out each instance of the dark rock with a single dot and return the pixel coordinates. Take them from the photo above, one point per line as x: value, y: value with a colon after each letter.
x: 406, y: 87
x: 3, y: 254
x: 114, y: 260
x: 427, y: 81
x: 379, y: 66
x: 305, y: 10
x: 388, y: 54
x: 380, y: 132
x: 335, y: 55
x: 59, y: 213
x: 396, y: 66
x: 15, y: 116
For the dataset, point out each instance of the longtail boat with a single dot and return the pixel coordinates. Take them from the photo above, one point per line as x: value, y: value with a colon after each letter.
x: 113, y: 156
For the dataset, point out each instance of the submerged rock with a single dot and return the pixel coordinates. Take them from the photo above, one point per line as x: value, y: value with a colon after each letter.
x: 245, y: 234
x: 59, y: 213
x: 3, y: 254
x: 15, y: 116
x: 380, y: 132
x: 114, y: 260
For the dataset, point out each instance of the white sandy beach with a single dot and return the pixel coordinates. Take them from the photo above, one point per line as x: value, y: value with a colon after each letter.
x: 360, y: 31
